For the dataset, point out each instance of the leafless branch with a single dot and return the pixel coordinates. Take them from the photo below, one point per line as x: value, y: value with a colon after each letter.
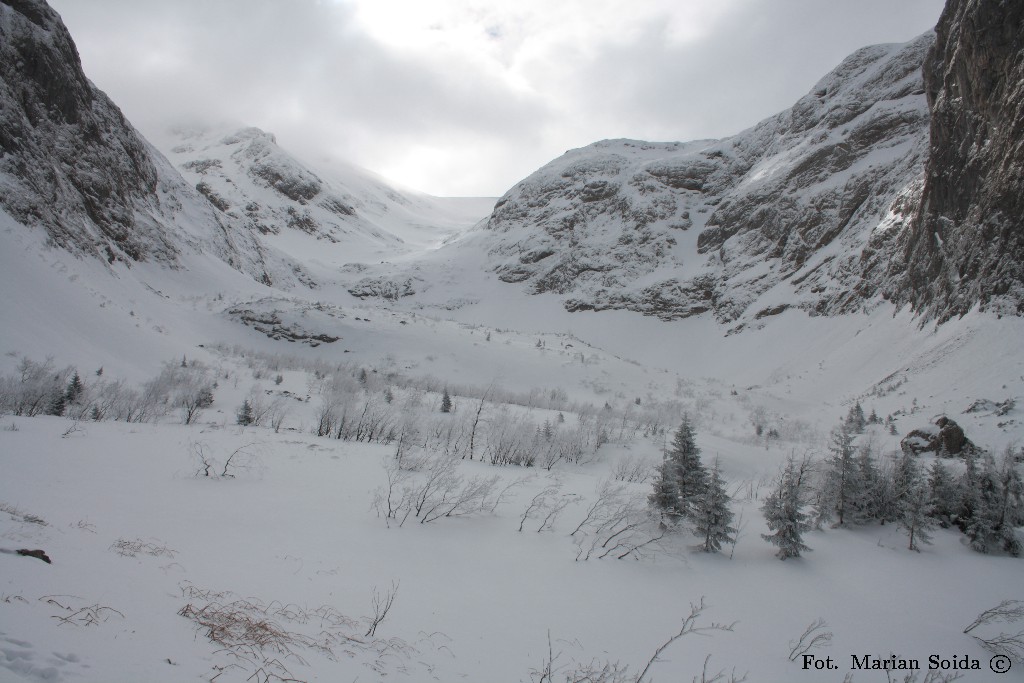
x: 814, y: 636
x: 381, y: 606
x: 689, y: 626
x: 1007, y: 612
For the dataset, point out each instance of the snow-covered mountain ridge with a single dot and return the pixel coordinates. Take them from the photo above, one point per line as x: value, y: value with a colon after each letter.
x: 867, y: 188
x: 337, y: 214
x: 779, y: 215
x: 74, y: 167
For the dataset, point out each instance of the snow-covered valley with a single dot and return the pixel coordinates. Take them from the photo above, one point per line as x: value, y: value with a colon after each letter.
x: 289, y: 529
x: 321, y: 428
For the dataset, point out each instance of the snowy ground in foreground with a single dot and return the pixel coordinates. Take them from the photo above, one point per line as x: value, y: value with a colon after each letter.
x: 476, y: 600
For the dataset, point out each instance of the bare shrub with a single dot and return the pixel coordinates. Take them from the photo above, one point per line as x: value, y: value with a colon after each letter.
x: 133, y: 548
x: 546, y: 506
x: 814, y: 636
x: 35, y: 389
x: 1006, y: 644
x: 241, y: 460
x: 429, y: 488
x: 510, y: 440
x: 20, y: 516
x: 382, y: 603
x: 617, y: 524
x: 279, y: 410
x: 913, y: 677
x: 71, y: 615
x: 74, y: 428
x: 393, y: 500
x: 633, y: 470
x: 552, y: 671
x: 445, y: 493
x: 260, y: 637
x: 690, y: 627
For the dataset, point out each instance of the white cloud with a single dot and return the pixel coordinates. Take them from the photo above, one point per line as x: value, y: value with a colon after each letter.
x: 467, y: 96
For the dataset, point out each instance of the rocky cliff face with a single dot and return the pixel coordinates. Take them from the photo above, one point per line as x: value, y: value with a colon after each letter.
x: 70, y: 164
x: 784, y: 214
x: 966, y: 245
x: 900, y: 174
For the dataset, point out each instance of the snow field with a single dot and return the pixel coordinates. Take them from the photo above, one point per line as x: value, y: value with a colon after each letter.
x: 475, y: 599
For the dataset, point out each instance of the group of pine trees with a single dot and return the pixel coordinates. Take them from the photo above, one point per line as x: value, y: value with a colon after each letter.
x: 985, y: 501
x: 852, y: 486
x: 686, y: 491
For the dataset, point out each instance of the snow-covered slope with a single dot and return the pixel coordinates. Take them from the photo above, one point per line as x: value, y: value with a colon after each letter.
x: 779, y: 215
x: 73, y: 167
x: 331, y: 216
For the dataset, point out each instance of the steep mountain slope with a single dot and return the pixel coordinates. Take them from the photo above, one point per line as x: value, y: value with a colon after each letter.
x: 73, y: 166
x: 675, y: 230
x: 967, y: 242
x: 337, y: 214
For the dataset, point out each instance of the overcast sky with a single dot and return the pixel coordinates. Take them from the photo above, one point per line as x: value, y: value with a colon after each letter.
x: 466, y: 97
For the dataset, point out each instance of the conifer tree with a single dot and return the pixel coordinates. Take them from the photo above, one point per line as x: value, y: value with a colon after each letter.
x: 887, y: 493
x: 75, y: 388
x: 547, y: 431
x: 446, y: 401
x: 943, y: 495
x: 906, y: 475
x: 842, y: 483
x: 665, y: 496
x: 682, y: 477
x: 864, y: 506
x: 983, y: 526
x: 969, y: 489
x: 855, y: 419
x: 783, y: 510
x: 998, y: 507
x: 914, y: 518
x: 691, y: 476
x: 244, y: 416
x: 57, y: 403
x: 1010, y: 504
x: 712, y: 518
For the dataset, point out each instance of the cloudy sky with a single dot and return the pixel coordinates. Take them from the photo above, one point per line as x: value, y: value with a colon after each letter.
x: 466, y: 97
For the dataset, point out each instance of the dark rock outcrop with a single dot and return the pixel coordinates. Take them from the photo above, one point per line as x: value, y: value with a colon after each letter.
x: 966, y: 245
x: 66, y: 151
x: 946, y: 438
x: 383, y: 288
x: 73, y: 166
x: 38, y: 554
